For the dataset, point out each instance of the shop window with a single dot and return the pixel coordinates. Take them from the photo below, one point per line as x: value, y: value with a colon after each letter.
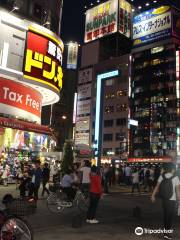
x: 157, y: 49
x: 121, y: 93
x: 120, y: 137
x: 121, y: 122
x: 121, y: 108
x: 109, y: 82
x: 106, y: 151
x: 108, y: 137
x: 109, y: 95
x: 108, y: 123
x: 109, y: 109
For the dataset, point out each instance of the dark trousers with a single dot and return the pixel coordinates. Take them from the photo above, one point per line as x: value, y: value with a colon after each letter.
x: 33, y: 192
x: 135, y: 185
x: 45, y: 188
x: 168, y: 213
x: 85, y: 189
x: 93, y: 204
x: 106, y: 188
x: 70, y: 192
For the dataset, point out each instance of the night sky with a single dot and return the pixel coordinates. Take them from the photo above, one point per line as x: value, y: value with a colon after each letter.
x: 73, y: 16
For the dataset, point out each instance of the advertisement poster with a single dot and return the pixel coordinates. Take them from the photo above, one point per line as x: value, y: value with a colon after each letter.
x: 83, y: 107
x: 85, y: 76
x: 84, y: 91
x: 72, y: 55
x: 82, y: 124
x: 101, y: 20
x: 152, y: 25
x: 125, y: 14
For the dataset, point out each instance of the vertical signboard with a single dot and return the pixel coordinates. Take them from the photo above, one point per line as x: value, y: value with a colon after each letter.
x: 101, y: 20
x: 72, y: 55
x: 125, y: 14
x: 152, y: 25
x: 82, y: 135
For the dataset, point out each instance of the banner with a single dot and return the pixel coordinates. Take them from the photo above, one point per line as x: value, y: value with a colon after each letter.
x: 152, y: 25
x: 125, y: 14
x: 101, y: 20
x: 84, y: 91
x: 19, y: 100
x: 72, y: 57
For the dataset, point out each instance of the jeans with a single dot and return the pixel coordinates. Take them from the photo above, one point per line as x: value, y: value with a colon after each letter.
x: 34, y: 191
x: 168, y: 213
x: 93, y: 204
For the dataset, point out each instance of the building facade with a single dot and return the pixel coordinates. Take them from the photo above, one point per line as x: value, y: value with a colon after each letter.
x: 155, y: 89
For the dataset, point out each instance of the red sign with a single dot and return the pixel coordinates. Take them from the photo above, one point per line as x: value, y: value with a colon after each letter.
x: 150, y: 159
x: 15, y: 96
x: 25, y: 126
x: 43, y: 59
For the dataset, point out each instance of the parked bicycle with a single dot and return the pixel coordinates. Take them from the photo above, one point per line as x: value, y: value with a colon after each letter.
x: 57, y: 200
x: 13, y: 226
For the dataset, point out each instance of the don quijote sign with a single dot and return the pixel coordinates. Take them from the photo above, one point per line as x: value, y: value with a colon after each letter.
x: 19, y: 100
x: 43, y: 59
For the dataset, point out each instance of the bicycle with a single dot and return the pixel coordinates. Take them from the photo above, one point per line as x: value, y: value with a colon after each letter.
x: 12, y: 224
x: 57, y: 200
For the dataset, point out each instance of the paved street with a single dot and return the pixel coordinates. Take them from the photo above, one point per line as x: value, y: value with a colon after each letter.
x: 115, y: 215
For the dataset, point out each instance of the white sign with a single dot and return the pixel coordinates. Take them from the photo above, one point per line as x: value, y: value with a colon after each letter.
x: 82, y: 138
x: 82, y: 124
x: 85, y: 76
x: 83, y: 107
x: 84, y: 91
x: 101, y: 20
x: 72, y: 55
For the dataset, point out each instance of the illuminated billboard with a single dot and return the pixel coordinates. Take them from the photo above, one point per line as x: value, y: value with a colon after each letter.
x: 152, y: 25
x: 20, y: 101
x: 125, y: 11
x: 43, y: 59
x: 101, y: 20
x: 72, y: 55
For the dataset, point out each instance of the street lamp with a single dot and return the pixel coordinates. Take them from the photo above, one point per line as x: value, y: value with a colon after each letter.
x: 64, y: 117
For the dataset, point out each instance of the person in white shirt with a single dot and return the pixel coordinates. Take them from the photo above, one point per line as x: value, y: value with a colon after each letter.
x: 86, y: 170
x: 168, y: 205
x: 135, y: 180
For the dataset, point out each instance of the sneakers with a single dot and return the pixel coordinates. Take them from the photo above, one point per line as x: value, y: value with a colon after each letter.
x: 167, y: 237
x: 92, y: 221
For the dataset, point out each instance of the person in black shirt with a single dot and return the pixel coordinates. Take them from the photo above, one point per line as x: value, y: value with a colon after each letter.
x: 45, y: 178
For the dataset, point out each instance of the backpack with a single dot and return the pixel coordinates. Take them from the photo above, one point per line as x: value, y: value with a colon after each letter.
x: 166, y: 188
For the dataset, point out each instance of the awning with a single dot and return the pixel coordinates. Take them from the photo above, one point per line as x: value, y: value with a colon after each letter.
x: 25, y: 126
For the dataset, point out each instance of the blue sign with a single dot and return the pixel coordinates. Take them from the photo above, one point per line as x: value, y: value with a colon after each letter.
x: 152, y: 25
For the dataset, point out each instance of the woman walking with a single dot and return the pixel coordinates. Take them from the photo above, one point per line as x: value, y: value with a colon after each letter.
x: 95, y: 195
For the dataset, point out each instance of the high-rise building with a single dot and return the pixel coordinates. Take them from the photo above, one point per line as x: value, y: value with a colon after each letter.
x: 103, y: 82
x: 155, y: 86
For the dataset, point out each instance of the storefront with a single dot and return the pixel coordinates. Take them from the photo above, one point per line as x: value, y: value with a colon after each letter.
x: 30, y: 77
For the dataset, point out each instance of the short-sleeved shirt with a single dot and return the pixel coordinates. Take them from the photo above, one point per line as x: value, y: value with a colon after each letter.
x: 86, y: 174
x: 175, y: 182
x: 66, y: 181
x: 135, y: 177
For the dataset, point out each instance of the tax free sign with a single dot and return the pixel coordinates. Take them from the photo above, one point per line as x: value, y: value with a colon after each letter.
x: 152, y: 25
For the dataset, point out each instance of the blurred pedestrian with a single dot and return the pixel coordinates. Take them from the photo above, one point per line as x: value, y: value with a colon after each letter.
x: 95, y: 195
x: 135, y: 180
x: 85, y: 172
x: 36, y: 180
x: 168, y: 188
x: 45, y: 178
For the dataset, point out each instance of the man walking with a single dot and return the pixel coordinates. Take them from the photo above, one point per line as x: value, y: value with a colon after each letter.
x: 168, y: 187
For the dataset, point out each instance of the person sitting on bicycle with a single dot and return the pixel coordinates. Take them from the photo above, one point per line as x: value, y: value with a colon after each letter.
x: 67, y: 183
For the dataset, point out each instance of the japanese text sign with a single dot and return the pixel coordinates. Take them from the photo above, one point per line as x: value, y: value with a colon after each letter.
x: 125, y: 12
x: 101, y: 20
x: 152, y: 25
x: 43, y: 59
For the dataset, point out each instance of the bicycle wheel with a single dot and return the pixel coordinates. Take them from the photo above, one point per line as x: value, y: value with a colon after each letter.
x: 16, y: 229
x: 82, y: 202
x: 53, y: 203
